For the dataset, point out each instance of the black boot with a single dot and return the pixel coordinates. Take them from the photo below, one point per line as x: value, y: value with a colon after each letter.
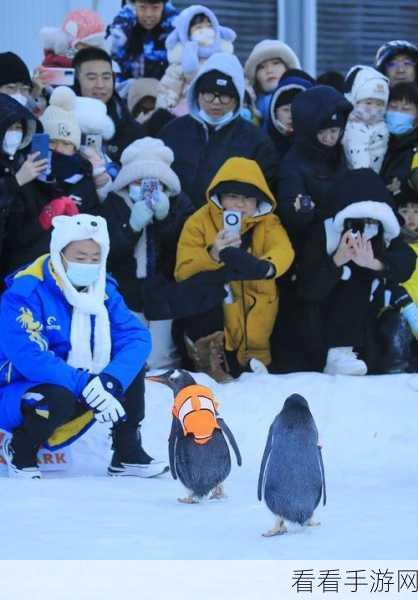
x: 129, y: 458
x: 20, y: 453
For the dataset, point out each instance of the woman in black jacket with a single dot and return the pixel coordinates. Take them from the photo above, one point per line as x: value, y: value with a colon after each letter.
x: 348, y: 258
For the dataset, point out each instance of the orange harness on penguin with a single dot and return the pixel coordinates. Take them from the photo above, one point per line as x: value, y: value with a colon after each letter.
x: 196, y: 409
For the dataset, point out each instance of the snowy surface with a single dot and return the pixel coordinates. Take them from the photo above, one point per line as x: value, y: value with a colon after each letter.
x: 369, y: 428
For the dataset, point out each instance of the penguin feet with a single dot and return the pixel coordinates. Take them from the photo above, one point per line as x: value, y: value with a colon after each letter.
x: 278, y: 529
x: 218, y: 493
x: 191, y: 499
x: 312, y: 523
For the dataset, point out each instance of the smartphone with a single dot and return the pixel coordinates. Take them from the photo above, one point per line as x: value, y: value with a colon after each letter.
x: 40, y: 143
x: 306, y: 204
x: 232, y: 222
x: 56, y: 76
x: 150, y: 187
x: 92, y: 140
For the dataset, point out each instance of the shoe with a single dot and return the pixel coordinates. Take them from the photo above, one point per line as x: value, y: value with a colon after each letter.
x: 20, y: 456
x: 257, y: 367
x: 343, y: 361
x: 208, y: 356
x: 129, y: 458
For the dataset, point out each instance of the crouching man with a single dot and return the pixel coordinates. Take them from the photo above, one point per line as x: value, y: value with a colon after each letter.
x: 71, y: 353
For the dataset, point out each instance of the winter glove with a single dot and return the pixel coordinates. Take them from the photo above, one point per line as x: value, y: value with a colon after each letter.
x: 59, y: 206
x: 106, y: 407
x: 245, y: 265
x: 141, y: 216
x: 410, y: 313
x: 161, y: 206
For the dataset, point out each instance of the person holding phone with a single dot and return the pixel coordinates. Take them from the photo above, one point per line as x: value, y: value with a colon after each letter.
x: 248, y: 260
x: 348, y: 260
x: 18, y: 170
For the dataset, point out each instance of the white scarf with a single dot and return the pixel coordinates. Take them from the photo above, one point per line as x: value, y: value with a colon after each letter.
x: 84, y: 303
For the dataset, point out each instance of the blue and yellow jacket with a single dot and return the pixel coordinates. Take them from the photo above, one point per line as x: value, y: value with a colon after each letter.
x: 35, y: 322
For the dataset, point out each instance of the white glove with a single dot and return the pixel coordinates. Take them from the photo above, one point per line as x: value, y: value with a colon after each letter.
x: 106, y: 407
x: 141, y: 215
x: 161, y: 206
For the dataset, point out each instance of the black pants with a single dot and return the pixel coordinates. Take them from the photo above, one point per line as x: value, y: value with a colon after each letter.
x: 63, y: 406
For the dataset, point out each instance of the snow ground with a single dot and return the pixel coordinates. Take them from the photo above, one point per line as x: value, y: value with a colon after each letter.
x: 369, y: 428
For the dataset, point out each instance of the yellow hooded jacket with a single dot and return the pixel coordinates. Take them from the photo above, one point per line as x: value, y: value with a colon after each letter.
x: 250, y: 318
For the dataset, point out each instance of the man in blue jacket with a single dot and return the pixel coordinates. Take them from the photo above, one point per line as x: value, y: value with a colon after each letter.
x: 71, y: 353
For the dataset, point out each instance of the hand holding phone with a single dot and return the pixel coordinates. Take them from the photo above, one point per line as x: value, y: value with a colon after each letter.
x: 304, y: 203
x: 232, y: 222
x: 150, y: 191
x: 55, y: 76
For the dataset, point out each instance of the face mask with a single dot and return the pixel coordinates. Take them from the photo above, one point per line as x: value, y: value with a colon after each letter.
x: 135, y: 192
x: 82, y: 274
x: 368, y: 115
x: 65, y: 167
x: 20, y: 98
x: 216, y: 122
x: 370, y: 230
x: 204, y: 37
x: 11, y: 142
x: 399, y: 123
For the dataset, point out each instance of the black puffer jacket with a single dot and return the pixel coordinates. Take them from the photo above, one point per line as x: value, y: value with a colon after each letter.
x: 397, y: 163
x: 127, y: 129
x: 323, y: 286
x: 200, y: 151
x: 162, y: 235
x: 310, y: 168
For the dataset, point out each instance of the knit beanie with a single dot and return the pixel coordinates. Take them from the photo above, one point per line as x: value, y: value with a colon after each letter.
x: 239, y: 187
x: 216, y: 82
x: 147, y: 157
x: 85, y: 26
x: 13, y: 69
x: 365, y: 82
x: 91, y: 115
x: 59, y: 120
x: 140, y: 88
x: 266, y: 50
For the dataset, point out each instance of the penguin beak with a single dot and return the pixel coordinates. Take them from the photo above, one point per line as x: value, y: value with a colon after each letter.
x: 156, y: 378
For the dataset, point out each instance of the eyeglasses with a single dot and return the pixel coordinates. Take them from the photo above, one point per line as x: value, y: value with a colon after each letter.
x: 396, y: 64
x: 210, y: 97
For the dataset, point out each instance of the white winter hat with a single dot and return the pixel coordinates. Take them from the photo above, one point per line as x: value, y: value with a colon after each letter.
x: 366, y: 82
x: 266, y: 50
x: 73, y: 229
x: 59, y: 120
x: 147, y: 157
x: 92, y: 117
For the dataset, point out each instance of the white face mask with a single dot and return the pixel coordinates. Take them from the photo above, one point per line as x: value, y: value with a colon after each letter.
x: 20, y: 98
x: 135, y: 192
x: 370, y: 230
x: 368, y: 115
x: 204, y: 37
x: 12, y: 141
x: 82, y: 274
x: 218, y: 121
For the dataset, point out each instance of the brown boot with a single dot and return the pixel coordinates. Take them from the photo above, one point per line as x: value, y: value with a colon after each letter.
x: 208, y: 356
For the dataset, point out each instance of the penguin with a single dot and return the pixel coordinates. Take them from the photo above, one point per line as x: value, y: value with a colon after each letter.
x: 198, y: 451
x: 292, y: 472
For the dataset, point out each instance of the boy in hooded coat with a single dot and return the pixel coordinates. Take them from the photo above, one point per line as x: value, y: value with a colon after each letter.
x: 347, y: 260
x: 202, y: 143
x: 243, y: 324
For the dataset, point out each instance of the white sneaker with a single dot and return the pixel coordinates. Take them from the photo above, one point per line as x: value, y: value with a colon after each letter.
x: 14, y: 471
x: 343, y: 361
x: 258, y: 367
x: 152, y: 469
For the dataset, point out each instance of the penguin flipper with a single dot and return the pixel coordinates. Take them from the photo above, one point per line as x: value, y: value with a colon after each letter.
x: 324, y: 489
x: 264, y: 460
x: 231, y: 439
x: 172, y: 443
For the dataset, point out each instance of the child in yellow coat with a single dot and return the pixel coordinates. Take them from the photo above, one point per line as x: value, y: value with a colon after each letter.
x: 250, y: 261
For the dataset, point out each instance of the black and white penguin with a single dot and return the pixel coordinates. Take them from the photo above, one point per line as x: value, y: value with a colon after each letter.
x: 292, y: 472
x: 198, y: 451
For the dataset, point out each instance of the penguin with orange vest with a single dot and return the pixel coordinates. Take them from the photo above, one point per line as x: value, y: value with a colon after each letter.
x: 292, y: 477
x: 198, y: 451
